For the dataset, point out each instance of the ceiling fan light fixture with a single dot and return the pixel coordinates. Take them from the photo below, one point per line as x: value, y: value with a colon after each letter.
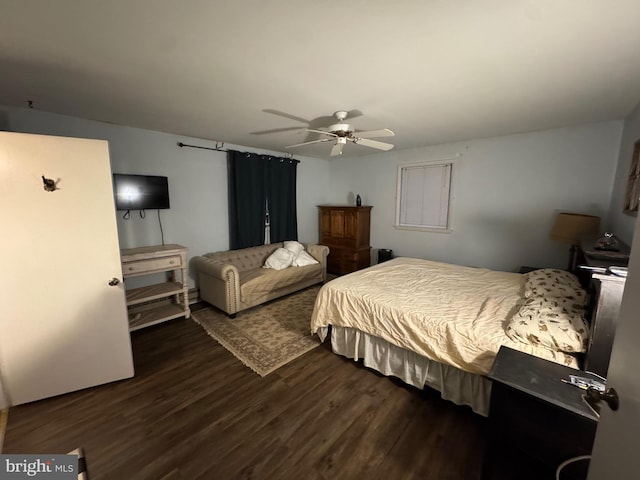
x: 342, y: 132
x: 336, y: 150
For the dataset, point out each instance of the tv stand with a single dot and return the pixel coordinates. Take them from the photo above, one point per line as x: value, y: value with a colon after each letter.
x: 163, y: 301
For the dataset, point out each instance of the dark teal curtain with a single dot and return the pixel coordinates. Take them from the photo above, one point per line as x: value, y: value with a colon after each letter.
x: 247, y: 190
x: 281, y: 194
x: 253, y: 181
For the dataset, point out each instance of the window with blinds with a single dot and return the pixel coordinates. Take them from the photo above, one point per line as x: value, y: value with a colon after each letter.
x: 424, y: 195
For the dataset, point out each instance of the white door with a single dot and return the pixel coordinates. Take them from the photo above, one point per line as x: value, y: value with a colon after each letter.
x: 615, y: 452
x: 62, y: 326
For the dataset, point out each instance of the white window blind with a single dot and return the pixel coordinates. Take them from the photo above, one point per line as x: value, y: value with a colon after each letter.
x: 424, y: 195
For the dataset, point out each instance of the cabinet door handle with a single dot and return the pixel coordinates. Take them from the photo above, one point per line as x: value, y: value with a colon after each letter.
x: 113, y: 282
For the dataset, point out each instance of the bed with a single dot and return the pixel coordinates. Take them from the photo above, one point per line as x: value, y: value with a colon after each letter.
x: 441, y: 325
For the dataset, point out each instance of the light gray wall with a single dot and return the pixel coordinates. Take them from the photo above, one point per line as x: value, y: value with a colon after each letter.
x: 198, y: 216
x: 506, y: 192
x: 620, y: 223
x: 506, y: 189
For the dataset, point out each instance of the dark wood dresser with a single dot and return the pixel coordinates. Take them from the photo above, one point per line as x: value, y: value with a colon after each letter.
x: 345, y: 230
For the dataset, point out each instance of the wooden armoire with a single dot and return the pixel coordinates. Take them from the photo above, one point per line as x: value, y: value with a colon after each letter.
x: 345, y: 230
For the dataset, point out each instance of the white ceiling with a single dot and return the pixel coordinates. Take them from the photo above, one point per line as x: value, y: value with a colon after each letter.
x: 433, y: 71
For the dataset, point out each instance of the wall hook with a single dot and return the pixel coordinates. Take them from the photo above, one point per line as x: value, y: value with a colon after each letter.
x: 50, y: 185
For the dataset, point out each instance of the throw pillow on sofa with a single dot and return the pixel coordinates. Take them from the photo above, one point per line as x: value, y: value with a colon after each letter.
x: 280, y: 259
x: 303, y: 259
x: 293, y: 246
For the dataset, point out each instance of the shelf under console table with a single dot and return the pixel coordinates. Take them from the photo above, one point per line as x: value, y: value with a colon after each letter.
x: 152, y: 304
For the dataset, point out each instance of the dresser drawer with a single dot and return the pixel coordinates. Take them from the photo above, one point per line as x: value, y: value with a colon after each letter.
x: 339, y: 266
x: 338, y: 241
x: 347, y: 255
x: 151, y: 265
x: 342, y: 261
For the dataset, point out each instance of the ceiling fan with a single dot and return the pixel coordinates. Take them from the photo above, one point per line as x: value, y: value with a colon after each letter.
x: 340, y: 133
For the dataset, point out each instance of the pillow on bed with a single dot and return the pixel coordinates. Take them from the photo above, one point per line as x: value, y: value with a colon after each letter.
x: 552, y: 282
x: 279, y: 260
x: 553, y: 322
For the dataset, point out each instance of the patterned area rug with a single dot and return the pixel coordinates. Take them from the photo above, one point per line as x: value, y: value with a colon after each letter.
x: 266, y: 337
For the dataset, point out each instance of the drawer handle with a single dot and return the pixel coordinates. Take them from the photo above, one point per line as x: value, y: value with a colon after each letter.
x: 130, y: 268
x: 171, y: 262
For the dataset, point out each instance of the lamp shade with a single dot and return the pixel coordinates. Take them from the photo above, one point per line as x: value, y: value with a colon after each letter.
x: 569, y: 227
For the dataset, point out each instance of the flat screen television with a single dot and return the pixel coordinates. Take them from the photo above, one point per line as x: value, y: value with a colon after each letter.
x: 140, y: 192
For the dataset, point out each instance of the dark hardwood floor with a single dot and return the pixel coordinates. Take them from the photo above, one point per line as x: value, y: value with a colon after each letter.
x: 193, y: 411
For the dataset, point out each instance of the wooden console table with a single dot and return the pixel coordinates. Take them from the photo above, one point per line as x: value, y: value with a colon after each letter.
x: 536, y: 421
x: 143, y: 310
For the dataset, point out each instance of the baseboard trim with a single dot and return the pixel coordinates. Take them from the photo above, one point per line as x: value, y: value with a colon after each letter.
x: 194, y: 295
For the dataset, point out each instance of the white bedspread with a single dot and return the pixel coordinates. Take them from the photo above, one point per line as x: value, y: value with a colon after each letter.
x: 448, y: 313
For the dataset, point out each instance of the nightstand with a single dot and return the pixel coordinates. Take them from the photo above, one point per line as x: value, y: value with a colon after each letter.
x: 589, y: 260
x: 535, y: 420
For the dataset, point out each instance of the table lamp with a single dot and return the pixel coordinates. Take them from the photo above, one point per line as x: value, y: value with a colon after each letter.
x: 569, y: 227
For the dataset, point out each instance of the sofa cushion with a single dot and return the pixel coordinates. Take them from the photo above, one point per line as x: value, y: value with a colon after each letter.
x: 245, y: 259
x: 259, y: 284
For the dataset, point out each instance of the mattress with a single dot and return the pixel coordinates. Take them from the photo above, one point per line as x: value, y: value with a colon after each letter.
x: 447, y: 313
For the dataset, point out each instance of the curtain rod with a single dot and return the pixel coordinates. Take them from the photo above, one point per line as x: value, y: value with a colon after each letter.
x: 219, y: 148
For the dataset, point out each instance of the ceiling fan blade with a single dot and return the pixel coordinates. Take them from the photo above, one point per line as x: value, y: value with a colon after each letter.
x: 309, y: 143
x: 354, y: 114
x: 285, y: 115
x: 385, y: 132
x: 277, y: 130
x: 337, y: 149
x: 372, y: 143
x: 321, y: 131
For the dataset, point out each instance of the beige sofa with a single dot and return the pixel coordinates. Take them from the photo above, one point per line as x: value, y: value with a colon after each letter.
x: 234, y: 280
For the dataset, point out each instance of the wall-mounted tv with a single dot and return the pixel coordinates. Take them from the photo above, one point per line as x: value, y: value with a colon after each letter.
x: 140, y: 192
